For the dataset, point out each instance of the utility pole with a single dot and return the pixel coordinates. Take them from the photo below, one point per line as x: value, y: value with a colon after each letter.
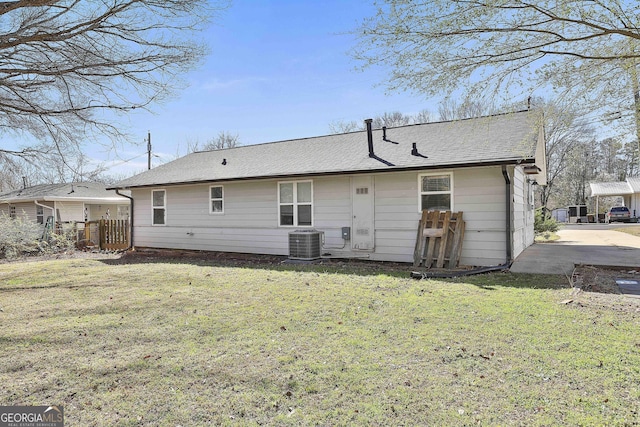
x: 149, y: 150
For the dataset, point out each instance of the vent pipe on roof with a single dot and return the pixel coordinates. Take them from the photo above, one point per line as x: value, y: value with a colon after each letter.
x: 369, y: 136
x: 384, y: 133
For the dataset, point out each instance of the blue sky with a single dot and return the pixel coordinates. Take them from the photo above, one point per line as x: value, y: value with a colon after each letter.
x: 277, y: 70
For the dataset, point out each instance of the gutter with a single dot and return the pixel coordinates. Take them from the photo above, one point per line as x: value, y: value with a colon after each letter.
x: 416, y: 168
x: 130, y: 225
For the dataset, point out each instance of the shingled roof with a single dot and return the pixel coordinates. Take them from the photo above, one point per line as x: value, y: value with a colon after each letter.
x: 501, y: 139
x: 76, y: 191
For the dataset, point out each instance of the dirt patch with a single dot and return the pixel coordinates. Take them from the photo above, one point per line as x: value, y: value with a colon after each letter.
x: 596, y: 286
x: 73, y: 254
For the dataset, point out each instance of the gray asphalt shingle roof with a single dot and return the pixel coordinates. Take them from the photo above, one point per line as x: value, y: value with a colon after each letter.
x: 80, y: 191
x: 507, y: 138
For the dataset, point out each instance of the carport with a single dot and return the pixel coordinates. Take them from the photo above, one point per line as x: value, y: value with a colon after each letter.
x: 629, y: 190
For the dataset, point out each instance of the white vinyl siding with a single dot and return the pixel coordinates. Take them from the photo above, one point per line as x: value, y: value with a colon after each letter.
x: 159, y: 207
x: 295, y: 203
x: 216, y: 201
x: 68, y: 211
x: 23, y: 210
x: 251, y: 219
x: 523, y: 214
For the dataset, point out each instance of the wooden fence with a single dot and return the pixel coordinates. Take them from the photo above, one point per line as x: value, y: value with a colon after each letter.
x: 108, y: 234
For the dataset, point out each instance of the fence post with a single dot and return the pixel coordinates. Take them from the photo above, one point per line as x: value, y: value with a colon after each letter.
x: 101, y: 227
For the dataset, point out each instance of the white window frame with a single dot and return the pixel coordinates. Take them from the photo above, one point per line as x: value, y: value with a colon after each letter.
x: 295, y: 204
x: 163, y: 207
x: 531, y: 198
x: 39, y: 214
x: 422, y: 193
x: 212, y: 199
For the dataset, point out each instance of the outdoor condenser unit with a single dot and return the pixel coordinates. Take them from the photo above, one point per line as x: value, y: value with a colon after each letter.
x: 305, y: 244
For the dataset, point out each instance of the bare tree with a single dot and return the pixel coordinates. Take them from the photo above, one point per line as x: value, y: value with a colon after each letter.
x: 586, y: 50
x: 339, y: 126
x: 392, y: 119
x: 567, y: 134
x: 423, y: 116
x: 69, y: 67
x: 450, y: 109
x: 222, y: 141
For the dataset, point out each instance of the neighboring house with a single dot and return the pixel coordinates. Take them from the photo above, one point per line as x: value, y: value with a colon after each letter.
x: 629, y: 190
x: 66, y: 203
x: 248, y: 199
x: 560, y: 214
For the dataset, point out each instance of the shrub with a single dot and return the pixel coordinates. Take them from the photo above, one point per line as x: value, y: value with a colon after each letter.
x: 544, y: 225
x: 20, y: 236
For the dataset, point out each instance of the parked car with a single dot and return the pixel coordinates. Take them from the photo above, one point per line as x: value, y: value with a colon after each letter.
x: 618, y: 213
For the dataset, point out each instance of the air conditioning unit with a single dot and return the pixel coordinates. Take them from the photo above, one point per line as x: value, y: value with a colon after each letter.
x: 305, y: 244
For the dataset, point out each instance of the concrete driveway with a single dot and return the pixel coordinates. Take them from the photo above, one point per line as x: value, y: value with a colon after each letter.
x: 591, y: 244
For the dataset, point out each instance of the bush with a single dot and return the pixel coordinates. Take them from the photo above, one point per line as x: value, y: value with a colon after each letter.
x: 20, y: 236
x: 544, y: 225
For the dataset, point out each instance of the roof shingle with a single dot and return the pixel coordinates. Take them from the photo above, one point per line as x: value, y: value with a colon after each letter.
x: 507, y: 138
x: 81, y: 191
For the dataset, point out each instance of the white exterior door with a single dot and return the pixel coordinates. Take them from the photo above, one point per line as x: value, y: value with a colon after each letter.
x: 362, y: 209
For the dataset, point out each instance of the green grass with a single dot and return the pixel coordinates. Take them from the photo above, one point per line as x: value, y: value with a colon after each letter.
x: 179, y: 343
x: 547, y: 237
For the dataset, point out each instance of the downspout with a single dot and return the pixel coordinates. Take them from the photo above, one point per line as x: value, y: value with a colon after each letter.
x: 507, y: 192
x: 480, y: 270
x: 53, y: 212
x: 130, y: 225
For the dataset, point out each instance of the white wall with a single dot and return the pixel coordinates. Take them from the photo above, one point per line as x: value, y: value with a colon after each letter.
x: 23, y: 210
x: 250, y: 220
x: 523, y: 212
x: 634, y: 205
x: 106, y: 211
x: 69, y: 211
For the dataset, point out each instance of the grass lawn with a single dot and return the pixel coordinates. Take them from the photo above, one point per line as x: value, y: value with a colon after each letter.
x: 630, y: 230
x: 192, y: 343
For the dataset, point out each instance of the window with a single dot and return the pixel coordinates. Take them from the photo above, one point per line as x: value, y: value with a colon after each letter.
x: 216, y: 194
x: 159, y: 207
x: 295, y: 205
x: 436, y: 192
x: 39, y: 214
x: 12, y: 211
x: 123, y: 212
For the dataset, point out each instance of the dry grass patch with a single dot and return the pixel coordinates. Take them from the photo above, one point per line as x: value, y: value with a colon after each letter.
x: 195, y: 343
x: 634, y: 230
